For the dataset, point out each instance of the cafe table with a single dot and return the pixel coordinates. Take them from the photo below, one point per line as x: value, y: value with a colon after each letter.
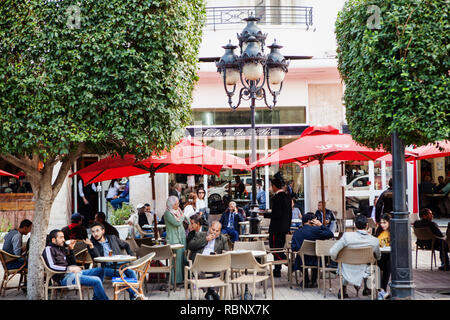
x: 259, y: 236
x: 114, y: 259
x: 385, y: 249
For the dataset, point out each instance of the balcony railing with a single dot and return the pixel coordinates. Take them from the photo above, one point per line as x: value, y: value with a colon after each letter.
x: 269, y: 15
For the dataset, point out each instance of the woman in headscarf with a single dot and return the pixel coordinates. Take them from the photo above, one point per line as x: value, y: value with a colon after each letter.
x: 174, y: 217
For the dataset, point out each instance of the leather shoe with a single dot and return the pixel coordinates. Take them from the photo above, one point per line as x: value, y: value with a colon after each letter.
x: 339, y: 295
x: 444, y: 268
x: 215, y: 295
x: 366, y: 292
x: 209, y: 296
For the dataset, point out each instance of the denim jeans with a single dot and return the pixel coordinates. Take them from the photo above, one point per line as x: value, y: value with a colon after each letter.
x: 109, y: 272
x: 91, y: 278
x: 117, y: 203
x: 16, y: 264
x: 234, y: 235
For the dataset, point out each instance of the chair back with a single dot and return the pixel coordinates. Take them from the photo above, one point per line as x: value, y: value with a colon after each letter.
x: 140, y: 230
x: 323, y: 247
x: 79, y: 246
x: 243, y: 260
x: 371, y: 223
x: 424, y: 233
x: 308, y: 248
x: 211, y: 263
x: 249, y: 245
x: 48, y: 270
x: 349, y: 214
x: 363, y: 255
x: 162, y: 252
x: 287, y: 243
x: 133, y: 244
x: 141, y: 264
x: 6, y: 257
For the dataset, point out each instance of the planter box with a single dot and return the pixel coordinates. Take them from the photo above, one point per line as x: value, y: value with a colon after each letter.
x: 123, y: 231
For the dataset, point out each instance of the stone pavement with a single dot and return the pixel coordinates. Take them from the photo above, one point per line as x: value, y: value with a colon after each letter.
x: 430, y: 285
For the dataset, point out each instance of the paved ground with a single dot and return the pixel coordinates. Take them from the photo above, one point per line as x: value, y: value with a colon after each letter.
x: 430, y: 285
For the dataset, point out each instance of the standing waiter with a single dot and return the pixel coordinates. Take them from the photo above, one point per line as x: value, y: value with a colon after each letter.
x: 87, y: 196
x: 280, y: 221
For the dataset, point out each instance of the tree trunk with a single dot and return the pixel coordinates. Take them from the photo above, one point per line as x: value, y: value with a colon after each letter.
x: 43, y: 205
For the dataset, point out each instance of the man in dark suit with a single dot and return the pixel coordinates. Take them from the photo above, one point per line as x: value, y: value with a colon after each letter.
x: 312, y: 229
x: 384, y: 203
x: 280, y: 221
x: 211, y: 242
x: 230, y: 221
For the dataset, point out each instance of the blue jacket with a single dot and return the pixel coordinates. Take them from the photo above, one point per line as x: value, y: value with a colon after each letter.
x: 237, y: 217
x: 312, y: 233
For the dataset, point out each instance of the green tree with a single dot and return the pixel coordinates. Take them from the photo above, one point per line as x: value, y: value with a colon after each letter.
x: 96, y: 76
x: 394, y: 61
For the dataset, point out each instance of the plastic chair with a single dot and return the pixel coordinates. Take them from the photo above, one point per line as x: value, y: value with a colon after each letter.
x: 133, y: 244
x: 142, y: 232
x: 49, y: 273
x: 139, y: 266
x: 288, y: 253
x: 245, y: 261
x: 220, y: 263
x: 322, y: 251
x: 356, y: 256
x: 161, y: 253
x: 424, y: 234
x: 308, y: 248
x: 8, y: 274
x: 371, y: 223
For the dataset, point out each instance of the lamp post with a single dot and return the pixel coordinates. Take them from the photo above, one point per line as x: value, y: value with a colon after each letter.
x: 402, y: 286
x: 253, y: 70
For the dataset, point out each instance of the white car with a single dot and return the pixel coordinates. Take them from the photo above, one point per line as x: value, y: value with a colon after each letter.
x: 220, y: 189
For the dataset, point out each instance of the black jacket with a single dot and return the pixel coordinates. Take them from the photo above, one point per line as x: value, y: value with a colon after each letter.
x: 198, y: 242
x: 384, y: 204
x: 434, y: 229
x: 115, y: 243
x: 58, y: 259
x: 281, y: 215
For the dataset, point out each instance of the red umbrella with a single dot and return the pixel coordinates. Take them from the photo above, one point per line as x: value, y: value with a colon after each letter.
x: 7, y: 174
x: 320, y: 144
x: 439, y: 149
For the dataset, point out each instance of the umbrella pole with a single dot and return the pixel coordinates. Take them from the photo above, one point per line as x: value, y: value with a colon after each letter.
x: 155, y: 218
x: 322, y: 191
x: 343, y: 198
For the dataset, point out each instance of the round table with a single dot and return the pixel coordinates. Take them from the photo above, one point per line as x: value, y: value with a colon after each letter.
x: 115, y: 259
x: 253, y: 236
x: 255, y: 253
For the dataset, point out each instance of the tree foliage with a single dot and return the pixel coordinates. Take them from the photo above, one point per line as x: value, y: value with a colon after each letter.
x: 397, y: 72
x: 91, y: 75
x: 121, y: 82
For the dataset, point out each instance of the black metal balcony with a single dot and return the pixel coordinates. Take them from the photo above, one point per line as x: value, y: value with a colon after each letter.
x: 269, y: 15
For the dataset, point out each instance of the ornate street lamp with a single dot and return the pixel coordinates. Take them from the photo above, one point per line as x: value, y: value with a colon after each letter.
x: 253, y: 70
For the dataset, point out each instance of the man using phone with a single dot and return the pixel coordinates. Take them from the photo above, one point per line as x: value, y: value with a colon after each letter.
x: 211, y: 242
x: 230, y: 221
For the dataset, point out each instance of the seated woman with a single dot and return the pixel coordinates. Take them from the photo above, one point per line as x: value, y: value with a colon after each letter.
x: 383, y: 235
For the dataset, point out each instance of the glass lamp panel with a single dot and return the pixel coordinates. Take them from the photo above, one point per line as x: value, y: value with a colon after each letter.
x: 253, y: 71
x: 276, y: 75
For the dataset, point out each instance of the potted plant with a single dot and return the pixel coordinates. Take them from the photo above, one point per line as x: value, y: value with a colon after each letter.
x: 5, y: 226
x: 118, y: 218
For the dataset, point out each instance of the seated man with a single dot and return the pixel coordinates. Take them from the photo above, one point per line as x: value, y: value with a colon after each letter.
x: 210, y: 242
x: 100, y: 217
x: 329, y: 217
x: 100, y: 245
x: 426, y: 220
x: 58, y: 258
x: 195, y: 226
x: 312, y: 230
x: 13, y: 243
x: 141, y: 217
x: 230, y: 220
x: 354, y: 274
x: 75, y: 230
x: 123, y: 197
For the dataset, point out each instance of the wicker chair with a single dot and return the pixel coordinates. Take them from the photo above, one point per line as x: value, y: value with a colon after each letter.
x: 220, y: 263
x: 161, y: 253
x: 426, y: 234
x: 139, y: 266
x: 81, y: 254
x: 8, y: 274
x: 356, y: 256
x: 322, y: 251
x: 49, y: 273
x: 245, y: 261
x: 308, y: 248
